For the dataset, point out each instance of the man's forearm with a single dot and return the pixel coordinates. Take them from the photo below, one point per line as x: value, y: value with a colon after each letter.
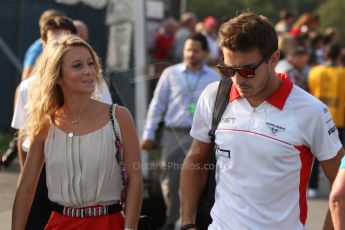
x: 328, y: 225
x: 193, y: 181
x: 21, y: 152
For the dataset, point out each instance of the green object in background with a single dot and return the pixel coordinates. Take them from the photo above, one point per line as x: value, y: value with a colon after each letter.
x: 191, y: 107
x: 4, y: 140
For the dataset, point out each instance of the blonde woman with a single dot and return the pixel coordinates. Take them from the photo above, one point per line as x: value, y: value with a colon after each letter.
x: 73, y: 134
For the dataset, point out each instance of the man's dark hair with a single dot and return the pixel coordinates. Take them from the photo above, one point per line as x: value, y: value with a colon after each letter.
x: 333, y: 51
x: 59, y: 22
x: 298, y: 51
x: 200, y: 38
x: 285, y: 14
x: 247, y: 32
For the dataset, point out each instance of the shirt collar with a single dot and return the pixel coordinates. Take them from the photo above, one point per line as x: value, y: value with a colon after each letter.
x: 277, y: 99
x: 183, y: 68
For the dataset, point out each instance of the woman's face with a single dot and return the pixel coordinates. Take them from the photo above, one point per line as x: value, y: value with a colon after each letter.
x: 78, y: 73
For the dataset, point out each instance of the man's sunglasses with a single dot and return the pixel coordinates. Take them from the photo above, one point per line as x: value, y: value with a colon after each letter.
x: 247, y: 72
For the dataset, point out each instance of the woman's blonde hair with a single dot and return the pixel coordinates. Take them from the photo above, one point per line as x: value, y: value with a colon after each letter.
x: 45, y: 94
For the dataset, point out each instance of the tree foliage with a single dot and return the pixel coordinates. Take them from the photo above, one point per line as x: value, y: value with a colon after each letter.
x: 223, y: 9
x: 332, y: 15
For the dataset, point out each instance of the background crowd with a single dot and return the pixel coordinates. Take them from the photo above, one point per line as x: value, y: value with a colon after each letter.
x: 313, y: 59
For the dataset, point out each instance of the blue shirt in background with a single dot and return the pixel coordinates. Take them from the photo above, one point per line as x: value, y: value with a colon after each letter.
x: 32, y: 53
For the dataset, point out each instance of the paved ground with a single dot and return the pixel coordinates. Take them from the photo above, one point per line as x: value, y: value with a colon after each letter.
x: 8, y: 180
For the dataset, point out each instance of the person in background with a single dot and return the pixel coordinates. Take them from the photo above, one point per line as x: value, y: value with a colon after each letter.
x: 40, y: 210
x: 165, y: 39
x: 331, y: 35
x: 188, y: 21
x: 30, y: 58
x: 337, y: 198
x: 82, y: 30
x: 327, y: 83
x: 102, y: 93
x: 316, y: 48
x: 265, y: 142
x: 284, y: 25
x: 295, y: 65
x: 304, y: 24
x: 286, y: 43
x: 211, y: 33
x: 75, y: 137
x: 35, y: 48
x: 174, y: 100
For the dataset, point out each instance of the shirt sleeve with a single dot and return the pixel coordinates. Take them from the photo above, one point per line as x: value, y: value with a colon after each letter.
x: 203, y: 113
x: 19, y: 113
x: 322, y: 134
x: 106, y: 97
x: 342, y: 164
x: 158, y: 106
x: 32, y: 54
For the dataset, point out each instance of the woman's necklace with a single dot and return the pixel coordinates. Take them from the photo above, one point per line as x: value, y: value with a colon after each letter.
x: 75, y: 124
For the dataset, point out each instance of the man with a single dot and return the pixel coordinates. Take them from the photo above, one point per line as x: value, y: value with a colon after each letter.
x: 35, y: 48
x: 337, y: 199
x: 187, y: 26
x: 50, y: 30
x: 82, y: 30
x: 30, y: 58
x: 175, y: 97
x: 285, y: 22
x: 295, y: 65
x: 266, y: 139
x: 211, y: 33
x: 327, y: 83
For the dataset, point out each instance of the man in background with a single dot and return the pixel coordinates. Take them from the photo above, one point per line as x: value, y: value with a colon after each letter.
x: 174, y: 101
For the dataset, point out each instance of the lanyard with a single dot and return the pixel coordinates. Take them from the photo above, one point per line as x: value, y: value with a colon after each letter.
x: 191, y: 89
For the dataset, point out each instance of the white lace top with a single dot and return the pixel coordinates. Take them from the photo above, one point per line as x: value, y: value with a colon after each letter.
x: 82, y: 170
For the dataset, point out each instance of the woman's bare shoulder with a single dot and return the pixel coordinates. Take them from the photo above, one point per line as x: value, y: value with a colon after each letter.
x: 123, y: 114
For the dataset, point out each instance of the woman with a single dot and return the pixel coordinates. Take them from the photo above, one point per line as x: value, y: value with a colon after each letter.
x: 73, y: 134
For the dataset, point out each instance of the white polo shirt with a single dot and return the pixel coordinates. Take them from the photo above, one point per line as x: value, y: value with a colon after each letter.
x: 264, y: 156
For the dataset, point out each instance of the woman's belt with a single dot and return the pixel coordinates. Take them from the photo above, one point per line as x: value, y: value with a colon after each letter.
x: 86, y: 211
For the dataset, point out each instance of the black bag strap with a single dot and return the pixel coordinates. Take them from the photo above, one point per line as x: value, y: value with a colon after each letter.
x: 221, y: 102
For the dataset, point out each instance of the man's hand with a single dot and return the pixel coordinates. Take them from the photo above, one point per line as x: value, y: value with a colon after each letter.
x: 147, y: 144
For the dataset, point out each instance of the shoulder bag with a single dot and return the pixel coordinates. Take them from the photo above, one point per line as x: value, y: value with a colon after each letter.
x: 203, y: 217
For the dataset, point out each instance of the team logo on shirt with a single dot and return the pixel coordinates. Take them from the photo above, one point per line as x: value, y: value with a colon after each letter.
x: 274, y: 128
x: 332, y: 130
x: 223, y: 152
x: 229, y: 120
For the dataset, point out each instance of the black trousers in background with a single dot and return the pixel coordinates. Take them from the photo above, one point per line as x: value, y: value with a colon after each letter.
x: 40, y: 209
x: 314, y: 177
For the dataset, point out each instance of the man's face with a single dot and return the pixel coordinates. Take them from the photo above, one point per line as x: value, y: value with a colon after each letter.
x: 254, y: 88
x: 193, y: 54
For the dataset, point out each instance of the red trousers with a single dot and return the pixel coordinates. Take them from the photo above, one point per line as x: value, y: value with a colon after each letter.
x: 113, y: 221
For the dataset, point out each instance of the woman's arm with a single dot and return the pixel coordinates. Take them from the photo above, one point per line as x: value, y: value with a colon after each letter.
x: 131, y: 157
x: 337, y: 201
x: 28, y: 182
